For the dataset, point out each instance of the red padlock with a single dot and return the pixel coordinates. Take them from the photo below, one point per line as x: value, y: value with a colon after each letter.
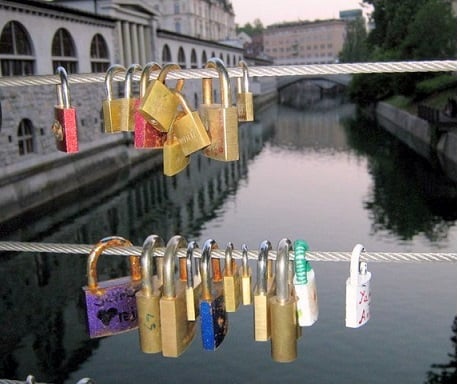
x: 145, y: 134
x: 65, y: 117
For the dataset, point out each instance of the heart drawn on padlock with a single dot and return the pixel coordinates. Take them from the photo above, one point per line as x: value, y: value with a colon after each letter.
x: 107, y: 315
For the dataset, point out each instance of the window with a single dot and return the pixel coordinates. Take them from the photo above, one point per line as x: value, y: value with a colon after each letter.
x: 193, y: 59
x: 176, y: 7
x: 181, y: 58
x: 15, y: 51
x: 99, y: 54
x: 166, y: 54
x: 25, y: 137
x: 63, y: 51
x: 178, y: 27
x: 204, y: 58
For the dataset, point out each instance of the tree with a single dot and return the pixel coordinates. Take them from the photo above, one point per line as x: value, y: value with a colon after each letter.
x: 251, y: 30
x: 355, y: 46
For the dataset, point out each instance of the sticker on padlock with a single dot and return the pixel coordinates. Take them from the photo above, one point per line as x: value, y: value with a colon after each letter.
x: 111, y: 305
x: 358, y: 293
x: 220, y: 120
x: 214, y: 320
x: 244, y: 102
x: 112, y: 107
x: 64, y: 127
x: 148, y: 297
x: 305, y: 286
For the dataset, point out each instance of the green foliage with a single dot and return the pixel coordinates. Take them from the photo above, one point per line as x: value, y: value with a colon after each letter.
x: 434, y: 85
x: 355, y: 47
x: 251, y: 30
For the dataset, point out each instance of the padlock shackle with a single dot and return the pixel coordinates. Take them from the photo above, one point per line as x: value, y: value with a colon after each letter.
x: 225, y: 92
x: 301, y: 265
x: 145, y: 76
x: 282, y: 270
x: 228, y: 272
x: 148, y: 248
x: 164, y: 72
x: 262, y: 264
x: 111, y: 72
x: 191, y: 247
x: 62, y: 89
x: 169, y: 283
x: 129, y: 78
x: 205, y: 267
x: 243, y: 82
x: 355, y: 262
x: 245, y: 259
x: 97, y: 250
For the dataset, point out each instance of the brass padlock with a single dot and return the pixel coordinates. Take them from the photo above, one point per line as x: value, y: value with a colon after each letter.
x: 194, y: 286
x: 244, y: 101
x: 146, y: 135
x: 246, y: 277
x: 174, y: 160
x: 220, y: 120
x: 148, y: 298
x: 112, y: 107
x: 232, y: 285
x: 128, y: 103
x: 159, y: 105
x: 283, y: 312
x: 64, y: 127
x: 177, y: 331
x: 189, y: 129
x: 263, y: 291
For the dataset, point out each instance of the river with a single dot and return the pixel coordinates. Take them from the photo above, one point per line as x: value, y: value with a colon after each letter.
x: 324, y: 174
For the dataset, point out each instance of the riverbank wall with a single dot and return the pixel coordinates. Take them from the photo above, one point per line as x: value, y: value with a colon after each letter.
x: 419, y: 135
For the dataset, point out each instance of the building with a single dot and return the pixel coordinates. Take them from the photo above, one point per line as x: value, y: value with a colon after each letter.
x: 305, y: 42
x: 350, y: 14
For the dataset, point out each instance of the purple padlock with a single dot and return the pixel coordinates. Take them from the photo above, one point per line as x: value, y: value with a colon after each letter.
x: 111, y: 305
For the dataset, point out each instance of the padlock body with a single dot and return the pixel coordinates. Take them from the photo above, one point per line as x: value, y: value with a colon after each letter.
x: 232, y: 293
x: 307, y: 301
x: 67, y: 131
x: 214, y: 322
x: 192, y: 297
x: 262, y: 331
x: 145, y: 134
x: 246, y: 287
x: 283, y: 319
x: 245, y: 106
x: 222, y: 127
x: 358, y: 299
x: 159, y: 105
x: 174, y: 160
x: 113, y: 112
x: 111, y: 307
x: 128, y: 108
x: 148, y: 310
x: 191, y: 133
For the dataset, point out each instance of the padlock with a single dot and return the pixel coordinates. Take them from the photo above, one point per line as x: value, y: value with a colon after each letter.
x: 283, y: 314
x: 111, y: 305
x: 263, y: 291
x: 189, y: 129
x: 245, y: 277
x: 64, y: 127
x: 305, y: 286
x: 129, y: 104
x: 148, y: 297
x: 214, y: 320
x: 220, y: 120
x: 177, y: 331
x: 232, y: 284
x: 159, y: 104
x: 112, y: 107
x: 194, y: 286
x: 174, y: 160
x: 244, y: 101
x: 146, y: 135
x: 358, y: 292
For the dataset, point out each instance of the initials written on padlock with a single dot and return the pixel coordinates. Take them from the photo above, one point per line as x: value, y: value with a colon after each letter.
x: 64, y: 127
x: 148, y: 297
x: 244, y: 102
x: 220, y: 120
x: 111, y: 305
x: 358, y: 293
x: 283, y: 317
x: 112, y: 107
x: 214, y: 321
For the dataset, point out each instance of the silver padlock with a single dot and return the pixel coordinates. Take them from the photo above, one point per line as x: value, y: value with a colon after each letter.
x: 358, y: 297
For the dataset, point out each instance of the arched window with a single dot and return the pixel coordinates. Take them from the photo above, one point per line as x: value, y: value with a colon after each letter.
x: 166, y: 54
x: 181, y: 58
x: 228, y: 60
x: 25, y: 137
x: 16, y: 54
x: 204, y: 58
x: 234, y: 60
x: 221, y: 56
x: 99, y: 54
x: 63, y: 51
x: 193, y: 59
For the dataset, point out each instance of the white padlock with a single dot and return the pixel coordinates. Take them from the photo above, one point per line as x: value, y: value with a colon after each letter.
x: 358, y: 297
x: 305, y: 287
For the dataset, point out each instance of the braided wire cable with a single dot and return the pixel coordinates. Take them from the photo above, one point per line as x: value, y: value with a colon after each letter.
x: 289, y: 70
x: 319, y: 256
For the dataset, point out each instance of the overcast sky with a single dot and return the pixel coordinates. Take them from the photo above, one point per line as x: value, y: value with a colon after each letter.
x: 275, y: 11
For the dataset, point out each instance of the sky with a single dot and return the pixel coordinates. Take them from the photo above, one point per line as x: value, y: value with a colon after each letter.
x: 276, y: 11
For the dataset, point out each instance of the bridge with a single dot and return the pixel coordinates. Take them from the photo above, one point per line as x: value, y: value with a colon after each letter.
x: 321, y: 81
